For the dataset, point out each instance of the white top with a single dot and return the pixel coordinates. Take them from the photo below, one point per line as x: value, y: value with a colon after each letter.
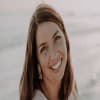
x: 40, y: 96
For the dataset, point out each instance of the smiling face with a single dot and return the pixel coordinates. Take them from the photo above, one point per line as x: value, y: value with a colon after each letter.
x: 51, y: 51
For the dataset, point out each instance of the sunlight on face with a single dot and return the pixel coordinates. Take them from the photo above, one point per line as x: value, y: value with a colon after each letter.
x: 51, y: 51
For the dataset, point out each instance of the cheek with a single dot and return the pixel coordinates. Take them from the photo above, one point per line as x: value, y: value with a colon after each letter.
x: 63, y: 51
x: 43, y: 61
x: 61, y: 46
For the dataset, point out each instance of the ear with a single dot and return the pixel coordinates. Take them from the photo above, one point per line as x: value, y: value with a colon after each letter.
x: 40, y: 72
x: 39, y: 68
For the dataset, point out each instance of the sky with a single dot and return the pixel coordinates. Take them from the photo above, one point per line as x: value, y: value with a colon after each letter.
x: 78, y: 6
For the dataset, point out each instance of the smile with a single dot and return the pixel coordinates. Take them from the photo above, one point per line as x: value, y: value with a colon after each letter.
x: 56, y: 66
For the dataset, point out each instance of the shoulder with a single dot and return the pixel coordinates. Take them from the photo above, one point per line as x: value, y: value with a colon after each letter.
x: 74, y: 94
x: 39, y: 96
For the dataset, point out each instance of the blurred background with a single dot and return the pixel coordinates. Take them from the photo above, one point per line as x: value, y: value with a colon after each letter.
x: 82, y: 21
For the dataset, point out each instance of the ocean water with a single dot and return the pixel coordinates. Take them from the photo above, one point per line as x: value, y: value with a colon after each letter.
x: 84, y: 36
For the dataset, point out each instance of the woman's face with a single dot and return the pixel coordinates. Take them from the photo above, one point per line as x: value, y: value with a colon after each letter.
x: 51, y: 51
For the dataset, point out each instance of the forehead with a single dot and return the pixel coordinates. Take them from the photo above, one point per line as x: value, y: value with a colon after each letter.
x: 45, y: 31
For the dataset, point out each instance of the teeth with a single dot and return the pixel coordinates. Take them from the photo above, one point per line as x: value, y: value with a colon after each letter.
x: 57, y: 65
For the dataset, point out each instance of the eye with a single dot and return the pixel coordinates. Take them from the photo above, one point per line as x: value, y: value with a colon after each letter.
x: 57, y: 38
x: 43, y: 49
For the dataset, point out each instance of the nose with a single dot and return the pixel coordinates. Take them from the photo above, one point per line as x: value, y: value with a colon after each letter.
x: 53, y: 57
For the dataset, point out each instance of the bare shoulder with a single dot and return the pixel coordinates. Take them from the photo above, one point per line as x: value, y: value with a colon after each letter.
x: 74, y: 94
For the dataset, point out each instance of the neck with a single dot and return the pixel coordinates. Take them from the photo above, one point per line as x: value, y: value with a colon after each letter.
x: 51, y: 89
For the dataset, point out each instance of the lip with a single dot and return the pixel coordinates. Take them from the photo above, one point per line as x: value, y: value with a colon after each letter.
x: 57, y: 67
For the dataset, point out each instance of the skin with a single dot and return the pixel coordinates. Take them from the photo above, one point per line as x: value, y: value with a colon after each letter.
x: 51, y: 50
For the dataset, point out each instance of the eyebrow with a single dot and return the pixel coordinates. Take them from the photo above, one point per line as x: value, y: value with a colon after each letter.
x: 52, y: 37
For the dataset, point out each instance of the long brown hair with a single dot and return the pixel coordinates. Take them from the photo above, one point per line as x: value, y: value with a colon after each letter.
x: 30, y: 77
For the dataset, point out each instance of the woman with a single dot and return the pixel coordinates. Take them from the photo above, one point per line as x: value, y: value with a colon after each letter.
x: 47, y: 73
